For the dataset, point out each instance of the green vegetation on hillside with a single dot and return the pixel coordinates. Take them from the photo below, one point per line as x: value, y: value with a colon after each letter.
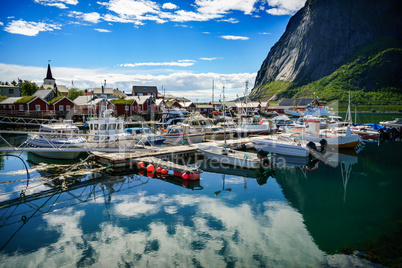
x: 373, y: 77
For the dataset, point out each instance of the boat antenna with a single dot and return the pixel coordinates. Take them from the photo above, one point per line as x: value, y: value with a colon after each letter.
x: 212, y: 92
x: 224, y: 113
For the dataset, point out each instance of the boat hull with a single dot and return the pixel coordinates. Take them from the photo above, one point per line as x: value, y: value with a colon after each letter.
x: 178, y: 139
x: 273, y: 146
x: 231, y: 158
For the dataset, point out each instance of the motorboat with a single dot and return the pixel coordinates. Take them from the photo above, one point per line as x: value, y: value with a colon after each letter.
x: 294, y: 112
x: 285, y: 144
x: 337, y: 121
x: 308, y: 118
x: 229, y: 157
x: 205, y: 125
x: 311, y: 132
x: 396, y: 123
x: 108, y: 131
x: 172, y: 117
x: 144, y: 136
x: 182, y: 133
x: 61, y: 135
x: 255, y: 125
x: 232, y: 127
x: 282, y: 120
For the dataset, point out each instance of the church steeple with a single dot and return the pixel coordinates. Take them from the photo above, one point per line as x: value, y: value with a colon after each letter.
x: 49, y: 72
x: 49, y: 81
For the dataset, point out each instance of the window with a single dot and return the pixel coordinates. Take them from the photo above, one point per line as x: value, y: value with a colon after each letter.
x: 68, y: 108
x: 103, y: 127
x: 61, y: 108
x: 37, y: 107
x: 11, y: 91
x: 10, y: 106
x: 21, y: 107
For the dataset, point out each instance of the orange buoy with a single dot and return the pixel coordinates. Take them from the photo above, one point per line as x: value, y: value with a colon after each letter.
x: 150, y: 174
x: 184, y: 176
x: 159, y: 170
x: 150, y: 168
x: 261, y: 122
x: 141, y: 164
x: 164, y: 171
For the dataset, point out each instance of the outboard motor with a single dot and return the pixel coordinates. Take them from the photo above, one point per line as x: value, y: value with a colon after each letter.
x: 323, y: 144
x: 311, y: 146
x: 264, y: 160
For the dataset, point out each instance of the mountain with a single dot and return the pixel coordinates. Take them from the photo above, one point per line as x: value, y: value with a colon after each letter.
x: 352, y: 44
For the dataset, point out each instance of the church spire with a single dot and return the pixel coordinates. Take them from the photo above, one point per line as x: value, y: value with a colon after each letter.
x: 49, y: 72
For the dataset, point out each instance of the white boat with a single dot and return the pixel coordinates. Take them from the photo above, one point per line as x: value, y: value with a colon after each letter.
x: 396, y: 123
x: 232, y: 127
x: 205, y: 125
x: 57, y: 136
x: 312, y: 132
x: 255, y: 125
x: 226, y: 156
x: 285, y: 144
x: 108, y: 131
x: 336, y: 121
x: 172, y: 117
x: 182, y: 133
x: 282, y: 120
x: 144, y: 136
x: 308, y: 118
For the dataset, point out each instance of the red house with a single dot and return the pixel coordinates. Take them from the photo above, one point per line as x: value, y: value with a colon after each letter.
x: 63, y: 106
x: 31, y: 107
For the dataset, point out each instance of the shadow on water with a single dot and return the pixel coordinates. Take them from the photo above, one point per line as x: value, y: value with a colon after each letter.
x: 353, y: 206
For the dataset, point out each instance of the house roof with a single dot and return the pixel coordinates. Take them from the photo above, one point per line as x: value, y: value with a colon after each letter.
x: 43, y: 93
x: 187, y: 103
x: 145, y: 89
x: 205, y: 106
x: 37, y: 98
x: 62, y: 99
x: 82, y: 100
x: 10, y: 100
x: 107, y: 90
x: 62, y: 88
x: 139, y: 99
x: 9, y: 86
x: 296, y: 101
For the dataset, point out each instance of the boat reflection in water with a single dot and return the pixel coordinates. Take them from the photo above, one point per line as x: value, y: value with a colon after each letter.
x: 297, y: 218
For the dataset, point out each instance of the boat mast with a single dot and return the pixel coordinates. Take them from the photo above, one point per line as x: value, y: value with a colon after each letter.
x: 224, y: 114
x: 348, y: 113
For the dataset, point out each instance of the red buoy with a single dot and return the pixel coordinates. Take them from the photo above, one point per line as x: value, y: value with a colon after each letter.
x: 150, y: 174
x: 141, y: 164
x: 184, y: 176
x: 141, y: 172
x: 150, y: 168
x: 159, y: 170
x: 164, y: 171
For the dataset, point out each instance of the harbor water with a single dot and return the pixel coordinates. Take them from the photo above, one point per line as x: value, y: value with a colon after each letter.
x: 299, y: 214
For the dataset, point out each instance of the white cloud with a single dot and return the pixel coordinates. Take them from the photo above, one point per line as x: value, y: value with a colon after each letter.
x: 176, y: 82
x: 30, y: 28
x: 57, y: 3
x: 234, y: 37
x: 266, y: 33
x: 169, y: 6
x: 1, y: 23
x: 181, y: 63
x: 102, y: 30
x: 141, y: 10
x: 210, y: 59
x: 284, y: 7
x: 92, y: 17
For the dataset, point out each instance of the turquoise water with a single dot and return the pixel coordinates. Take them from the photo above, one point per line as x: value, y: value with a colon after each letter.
x: 300, y: 214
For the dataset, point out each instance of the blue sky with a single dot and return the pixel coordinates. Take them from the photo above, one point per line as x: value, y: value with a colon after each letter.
x: 181, y: 46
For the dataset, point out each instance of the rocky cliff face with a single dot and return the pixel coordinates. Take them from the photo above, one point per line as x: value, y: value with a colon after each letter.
x: 325, y: 34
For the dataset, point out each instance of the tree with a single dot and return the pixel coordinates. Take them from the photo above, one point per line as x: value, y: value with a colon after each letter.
x: 14, y: 83
x: 73, y: 93
x: 28, y: 88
